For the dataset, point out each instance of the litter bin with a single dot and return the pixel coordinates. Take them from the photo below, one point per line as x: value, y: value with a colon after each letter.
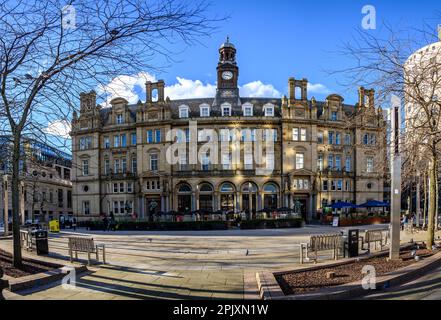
x: 353, y: 243
x: 41, y: 241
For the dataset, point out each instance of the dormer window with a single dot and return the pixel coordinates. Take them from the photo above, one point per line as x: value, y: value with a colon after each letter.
x: 119, y: 119
x: 334, y: 116
x: 226, y: 110
x: 204, y: 110
x: 268, y: 110
x: 247, y: 110
x: 183, y: 112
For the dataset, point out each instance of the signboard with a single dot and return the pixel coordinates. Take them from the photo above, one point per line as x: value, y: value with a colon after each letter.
x: 335, y: 221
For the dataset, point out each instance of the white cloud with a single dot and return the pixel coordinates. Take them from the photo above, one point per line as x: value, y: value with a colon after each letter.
x: 257, y: 89
x: 60, y: 128
x: 188, y: 89
x: 318, y: 88
x: 132, y: 88
x: 125, y: 87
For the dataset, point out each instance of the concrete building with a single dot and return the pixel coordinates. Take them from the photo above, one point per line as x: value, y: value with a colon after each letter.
x: 314, y: 153
x: 46, y: 189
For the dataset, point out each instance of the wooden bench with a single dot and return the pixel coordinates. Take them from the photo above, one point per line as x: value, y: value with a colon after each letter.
x: 326, y: 242
x: 375, y: 236
x: 86, y: 245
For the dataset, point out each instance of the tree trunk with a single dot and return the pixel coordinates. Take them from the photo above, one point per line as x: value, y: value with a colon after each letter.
x: 437, y: 199
x: 425, y: 201
x: 17, y: 261
x: 432, y: 203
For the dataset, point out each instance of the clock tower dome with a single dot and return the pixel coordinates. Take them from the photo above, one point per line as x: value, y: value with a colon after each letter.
x: 227, y: 74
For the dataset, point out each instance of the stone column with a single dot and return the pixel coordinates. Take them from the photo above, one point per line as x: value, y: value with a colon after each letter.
x: 216, y: 201
x: 6, y: 204
x: 22, y: 202
x: 259, y: 200
x: 193, y: 201
x: 237, y: 205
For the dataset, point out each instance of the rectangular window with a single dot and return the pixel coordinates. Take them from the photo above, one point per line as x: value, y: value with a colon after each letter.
x: 85, y: 143
x: 205, y: 112
x: 183, y: 112
x: 269, y: 112
x: 116, y: 141
x: 320, y: 137
x: 370, y: 164
x: 124, y: 165
x: 226, y: 111
x: 106, y: 166
x: 115, y: 188
x: 121, y: 187
x: 300, y: 161
x: 226, y: 161
x: 86, y: 207
x: 205, y: 162
x: 248, y: 111
x: 187, y: 135
x: 129, y: 187
x: 60, y: 198
x: 149, y: 136
x: 122, y: 207
x: 331, y: 137
x: 348, y: 140
x: 306, y: 184
x: 224, y: 135
x: 134, y: 165
x: 339, y: 185
x: 348, y: 164
x: 302, y: 134
x: 325, y: 185
x: 295, y: 134
x: 106, y: 143
x: 69, y: 199
x: 85, y: 167
x: 248, y: 161
x: 270, y: 160
x: 333, y: 186
x: 320, y: 164
x: 337, y: 139
x: 331, y: 161
x: 348, y: 185
x: 158, y: 136
x: 123, y: 141
x: 133, y: 139
x: 115, y: 207
x: 338, y: 162
x: 182, y: 161
x: 154, y: 162
x: 116, y: 166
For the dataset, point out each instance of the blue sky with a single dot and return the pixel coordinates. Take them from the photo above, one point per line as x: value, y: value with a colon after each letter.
x: 279, y: 39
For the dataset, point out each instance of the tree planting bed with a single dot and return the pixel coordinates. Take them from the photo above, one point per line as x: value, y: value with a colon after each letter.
x: 30, y: 267
x: 309, y: 281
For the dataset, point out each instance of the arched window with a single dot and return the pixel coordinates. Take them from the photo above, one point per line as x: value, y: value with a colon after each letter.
x: 183, y: 112
x: 184, y: 188
x: 249, y: 187
x: 205, y: 187
x: 227, y: 187
x: 270, y: 188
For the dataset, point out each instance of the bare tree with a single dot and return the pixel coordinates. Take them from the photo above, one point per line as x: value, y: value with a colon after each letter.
x: 50, y: 51
x: 395, y: 65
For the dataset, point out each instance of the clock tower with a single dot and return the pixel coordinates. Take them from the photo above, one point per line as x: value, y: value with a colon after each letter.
x: 227, y: 74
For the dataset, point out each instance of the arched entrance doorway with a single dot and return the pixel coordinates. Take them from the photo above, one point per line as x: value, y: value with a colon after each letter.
x: 206, y: 197
x: 270, y: 196
x: 249, y: 199
x: 227, y: 197
x: 184, y: 198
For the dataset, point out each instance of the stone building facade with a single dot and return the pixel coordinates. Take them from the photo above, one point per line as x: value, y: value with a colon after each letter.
x: 45, y: 183
x: 314, y: 153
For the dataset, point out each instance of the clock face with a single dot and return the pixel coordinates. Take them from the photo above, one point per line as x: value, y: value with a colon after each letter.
x: 227, y: 75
